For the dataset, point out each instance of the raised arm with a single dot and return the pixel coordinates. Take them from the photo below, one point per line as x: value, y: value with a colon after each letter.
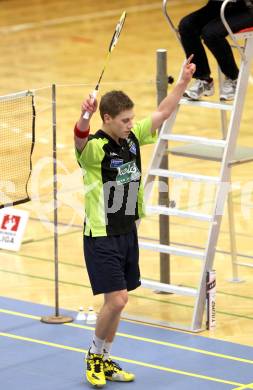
x: 82, y: 127
x: 170, y: 102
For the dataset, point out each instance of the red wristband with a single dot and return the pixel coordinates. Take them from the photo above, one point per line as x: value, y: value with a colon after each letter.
x: 81, y: 134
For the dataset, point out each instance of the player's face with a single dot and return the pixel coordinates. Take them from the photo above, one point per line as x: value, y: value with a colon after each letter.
x: 121, y: 125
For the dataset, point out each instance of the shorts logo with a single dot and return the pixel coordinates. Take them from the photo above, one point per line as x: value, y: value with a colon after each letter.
x: 128, y: 172
x: 115, y: 163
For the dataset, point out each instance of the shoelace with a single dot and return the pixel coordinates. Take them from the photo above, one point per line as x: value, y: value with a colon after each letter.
x: 98, y: 365
x: 198, y: 84
x: 228, y: 83
x: 97, y: 362
x: 115, y: 365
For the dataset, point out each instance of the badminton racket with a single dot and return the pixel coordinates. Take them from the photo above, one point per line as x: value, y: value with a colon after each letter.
x: 112, y: 45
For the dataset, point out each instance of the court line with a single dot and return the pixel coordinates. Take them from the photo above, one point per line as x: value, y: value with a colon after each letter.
x: 47, y: 260
x: 59, y: 234
x: 248, y: 386
x: 251, y: 80
x: 136, y: 362
x: 131, y: 294
x: 146, y: 238
x: 139, y: 338
x: 82, y: 266
x: 77, y: 18
x: 225, y: 232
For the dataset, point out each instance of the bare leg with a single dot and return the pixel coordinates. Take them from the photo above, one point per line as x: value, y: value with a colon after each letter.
x: 107, y: 324
x: 109, y: 316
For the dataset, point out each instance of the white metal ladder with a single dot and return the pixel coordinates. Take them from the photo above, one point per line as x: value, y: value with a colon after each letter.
x: 226, y: 150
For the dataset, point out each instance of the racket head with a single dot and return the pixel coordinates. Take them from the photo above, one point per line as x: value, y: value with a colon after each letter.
x: 117, y: 31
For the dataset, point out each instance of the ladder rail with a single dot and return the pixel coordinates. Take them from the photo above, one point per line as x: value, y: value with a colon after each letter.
x: 170, y: 23
x: 221, y: 194
x: 230, y: 207
x: 230, y: 32
x: 230, y: 135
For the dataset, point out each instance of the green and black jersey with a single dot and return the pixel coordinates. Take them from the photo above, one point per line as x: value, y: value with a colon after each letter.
x: 112, y: 179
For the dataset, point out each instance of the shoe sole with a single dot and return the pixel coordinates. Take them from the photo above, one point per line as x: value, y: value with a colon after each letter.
x: 95, y: 385
x: 109, y: 378
x: 227, y: 98
x: 119, y: 381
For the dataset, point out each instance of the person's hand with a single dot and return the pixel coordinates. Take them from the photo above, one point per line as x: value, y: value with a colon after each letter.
x: 90, y: 105
x: 188, y: 69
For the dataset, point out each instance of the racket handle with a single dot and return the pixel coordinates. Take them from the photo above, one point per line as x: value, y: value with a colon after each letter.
x: 93, y: 96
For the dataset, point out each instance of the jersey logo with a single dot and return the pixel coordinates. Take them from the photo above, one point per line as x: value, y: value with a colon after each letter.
x: 128, y: 172
x: 132, y: 146
x: 115, y: 163
x: 112, y: 154
x: 133, y: 149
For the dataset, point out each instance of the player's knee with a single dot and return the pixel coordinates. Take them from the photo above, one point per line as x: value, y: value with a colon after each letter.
x: 119, y: 302
x: 185, y: 26
x: 210, y: 37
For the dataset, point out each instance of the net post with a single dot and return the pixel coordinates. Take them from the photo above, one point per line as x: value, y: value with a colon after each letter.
x: 57, y: 318
x: 164, y: 232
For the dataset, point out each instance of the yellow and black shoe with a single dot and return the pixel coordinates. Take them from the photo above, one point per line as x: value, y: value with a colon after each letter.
x: 95, y: 370
x: 113, y: 372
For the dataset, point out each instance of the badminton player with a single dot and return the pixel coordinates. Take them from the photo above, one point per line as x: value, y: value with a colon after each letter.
x: 111, y: 165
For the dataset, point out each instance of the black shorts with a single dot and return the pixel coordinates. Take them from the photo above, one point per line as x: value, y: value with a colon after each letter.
x: 112, y: 262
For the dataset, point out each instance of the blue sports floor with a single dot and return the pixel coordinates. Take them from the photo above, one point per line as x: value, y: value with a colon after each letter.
x: 36, y: 356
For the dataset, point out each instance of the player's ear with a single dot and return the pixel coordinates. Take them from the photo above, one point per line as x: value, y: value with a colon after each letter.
x: 107, y: 118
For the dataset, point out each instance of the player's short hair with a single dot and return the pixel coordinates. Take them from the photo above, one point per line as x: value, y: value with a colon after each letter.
x: 113, y: 103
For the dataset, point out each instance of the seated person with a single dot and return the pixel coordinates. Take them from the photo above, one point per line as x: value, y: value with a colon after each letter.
x: 205, y: 24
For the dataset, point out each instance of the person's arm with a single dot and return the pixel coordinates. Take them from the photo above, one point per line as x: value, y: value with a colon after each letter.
x: 82, y: 127
x: 170, y: 102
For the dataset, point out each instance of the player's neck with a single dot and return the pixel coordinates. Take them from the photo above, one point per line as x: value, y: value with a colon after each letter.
x: 111, y: 134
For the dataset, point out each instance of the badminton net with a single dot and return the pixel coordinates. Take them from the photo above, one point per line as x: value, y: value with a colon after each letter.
x: 17, y: 137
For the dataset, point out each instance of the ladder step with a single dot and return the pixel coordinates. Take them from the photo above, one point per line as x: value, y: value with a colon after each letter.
x: 171, y: 250
x: 186, y: 176
x: 250, y: 265
x: 170, y: 288
x: 178, y: 213
x: 200, y: 103
x: 194, y: 140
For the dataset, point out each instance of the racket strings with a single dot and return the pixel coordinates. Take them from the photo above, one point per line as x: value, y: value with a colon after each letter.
x: 117, y: 32
x: 113, y: 43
